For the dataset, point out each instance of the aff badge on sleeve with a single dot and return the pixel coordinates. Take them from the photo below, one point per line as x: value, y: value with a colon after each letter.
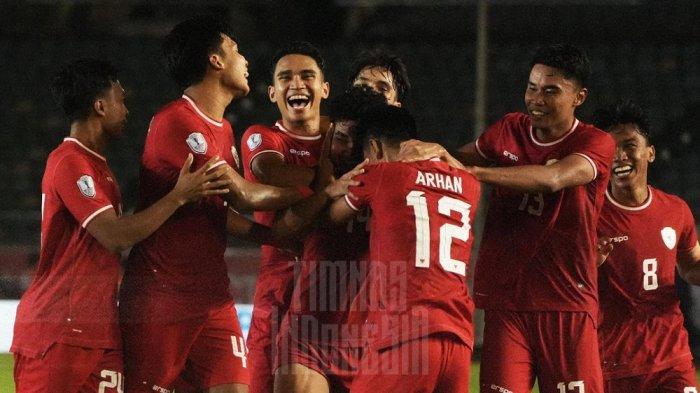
x: 668, y: 235
x: 197, y: 143
x: 254, y: 140
x: 86, y: 186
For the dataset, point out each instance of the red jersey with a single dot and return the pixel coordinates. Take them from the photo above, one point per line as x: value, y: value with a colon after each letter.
x: 420, y: 243
x: 73, y: 297
x: 276, y: 278
x: 185, y: 256
x: 325, y: 307
x: 641, y: 329
x: 538, y: 250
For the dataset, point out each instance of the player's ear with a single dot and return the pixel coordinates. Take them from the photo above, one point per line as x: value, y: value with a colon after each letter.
x: 271, y: 93
x: 375, y: 150
x: 99, y: 107
x: 581, y: 96
x: 326, y: 90
x: 215, y: 61
x: 652, y: 153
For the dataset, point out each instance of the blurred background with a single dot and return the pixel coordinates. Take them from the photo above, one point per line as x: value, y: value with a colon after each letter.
x: 647, y: 51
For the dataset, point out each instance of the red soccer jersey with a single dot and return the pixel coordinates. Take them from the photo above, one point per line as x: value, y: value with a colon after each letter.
x: 641, y: 328
x: 73, y: 297
x: 538, y: 250
x: 325, y: 306
x: 276, y: 278
x: 420, y: 243
x: 185, y: 256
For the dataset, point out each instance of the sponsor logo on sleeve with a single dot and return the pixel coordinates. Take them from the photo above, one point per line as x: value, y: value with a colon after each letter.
x: 668, y: 235
x: 254, y: 140
x: 197, y: 143
x: 86, y: 186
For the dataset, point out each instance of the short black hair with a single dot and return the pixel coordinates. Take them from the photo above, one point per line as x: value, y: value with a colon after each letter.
x: 386, y: 60
x: 297, y: 48
x: 76, y: 86
x: 187, y: 47
x: 624, y: 112
x: 390, y: 124
x: 354, y: 104
x: 568, y: 58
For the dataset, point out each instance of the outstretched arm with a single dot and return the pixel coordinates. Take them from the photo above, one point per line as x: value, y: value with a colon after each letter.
x: 119, y: 233
x: 570, y: 171
x: 415, y: 150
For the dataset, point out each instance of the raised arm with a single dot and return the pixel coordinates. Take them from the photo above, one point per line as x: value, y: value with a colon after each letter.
x: 467, y: 155
x: 119, y: 233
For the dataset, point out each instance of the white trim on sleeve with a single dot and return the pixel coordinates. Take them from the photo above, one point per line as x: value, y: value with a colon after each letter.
x: 478, y: 150
x: 590, y: 161
x: 250, y: 162
x: 353, y: 207
x: 93, y: 215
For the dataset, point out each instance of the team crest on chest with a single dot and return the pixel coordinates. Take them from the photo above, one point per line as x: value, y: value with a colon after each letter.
x: 254, y: 140
x: 86, y: 186
x: 197, y: 143
x: 668, y: 235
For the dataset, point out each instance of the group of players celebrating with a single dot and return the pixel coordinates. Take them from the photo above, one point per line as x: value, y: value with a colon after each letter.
x: 366, y: 236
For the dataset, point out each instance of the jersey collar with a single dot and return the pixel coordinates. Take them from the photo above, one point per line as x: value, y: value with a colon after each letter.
x: 85, y: 147
x: 535, y: 141
x: 619, y: 205
x: 201, y: 114
x: 295, y: 136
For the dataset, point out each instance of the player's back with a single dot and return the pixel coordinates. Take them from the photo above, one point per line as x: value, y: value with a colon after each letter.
x: 186, y: 254
x: 641, y: 327
x: 72, y: 298
x: 420, y: 243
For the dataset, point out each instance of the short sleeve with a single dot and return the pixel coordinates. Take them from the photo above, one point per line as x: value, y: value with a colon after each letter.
x: 599, y: 149
x: 688, y: 237
x: 258, y: 140
x: 358, y: 197
x: 176, y: 136
x: 487, y: 144
x: 81, y: 188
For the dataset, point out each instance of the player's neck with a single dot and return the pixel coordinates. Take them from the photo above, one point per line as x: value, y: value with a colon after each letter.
x: 303, y: 127
x: 211, y: 98
x: 555, y: 132
x: 90, y: 133
x: 632, y: 196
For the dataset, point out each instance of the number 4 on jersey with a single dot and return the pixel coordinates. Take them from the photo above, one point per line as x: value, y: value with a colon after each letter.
x: 446, y: 205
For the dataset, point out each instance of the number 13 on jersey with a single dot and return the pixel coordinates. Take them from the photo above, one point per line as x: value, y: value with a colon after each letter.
x: 446, y: 205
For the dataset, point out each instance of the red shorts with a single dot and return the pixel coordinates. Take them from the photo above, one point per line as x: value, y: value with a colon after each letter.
x: 560, y: 349
x: 677, y: 379
x: 69, y: 369
x: 162, y: 352
x: 339, y: 364
x: 264, y: 328
x: 436, y: 363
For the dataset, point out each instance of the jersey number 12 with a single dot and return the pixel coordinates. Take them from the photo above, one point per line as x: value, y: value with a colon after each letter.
x: 446, y: 205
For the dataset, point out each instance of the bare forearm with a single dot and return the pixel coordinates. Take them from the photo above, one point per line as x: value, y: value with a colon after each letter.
x: 298, y: 218
x: 121, y: 233
x: 253, y: 196
x: 287, y: 175
x: 526, y: 178
x: 692, y: 276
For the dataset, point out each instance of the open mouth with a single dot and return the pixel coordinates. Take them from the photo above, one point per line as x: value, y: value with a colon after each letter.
x: 622, y: 171
x: 299, y: 101
x: 537, y: 113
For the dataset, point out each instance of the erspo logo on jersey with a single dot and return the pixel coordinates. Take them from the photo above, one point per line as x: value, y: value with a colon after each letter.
x: 86, y: 186
x: 197, y: 143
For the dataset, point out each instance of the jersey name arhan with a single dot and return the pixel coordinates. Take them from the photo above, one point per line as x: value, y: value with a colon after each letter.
x: 437, y: 180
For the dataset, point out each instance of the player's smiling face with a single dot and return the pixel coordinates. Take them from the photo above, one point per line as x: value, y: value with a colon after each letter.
x: 380, y: 80
x: 298, y: 89
x: 552, y: 99
x: 632, y: 156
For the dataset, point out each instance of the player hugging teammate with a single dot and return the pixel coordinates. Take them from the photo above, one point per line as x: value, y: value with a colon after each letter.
x: 366, y: 236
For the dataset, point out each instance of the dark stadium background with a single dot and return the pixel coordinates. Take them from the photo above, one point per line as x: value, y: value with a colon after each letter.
x: 647, y: 51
